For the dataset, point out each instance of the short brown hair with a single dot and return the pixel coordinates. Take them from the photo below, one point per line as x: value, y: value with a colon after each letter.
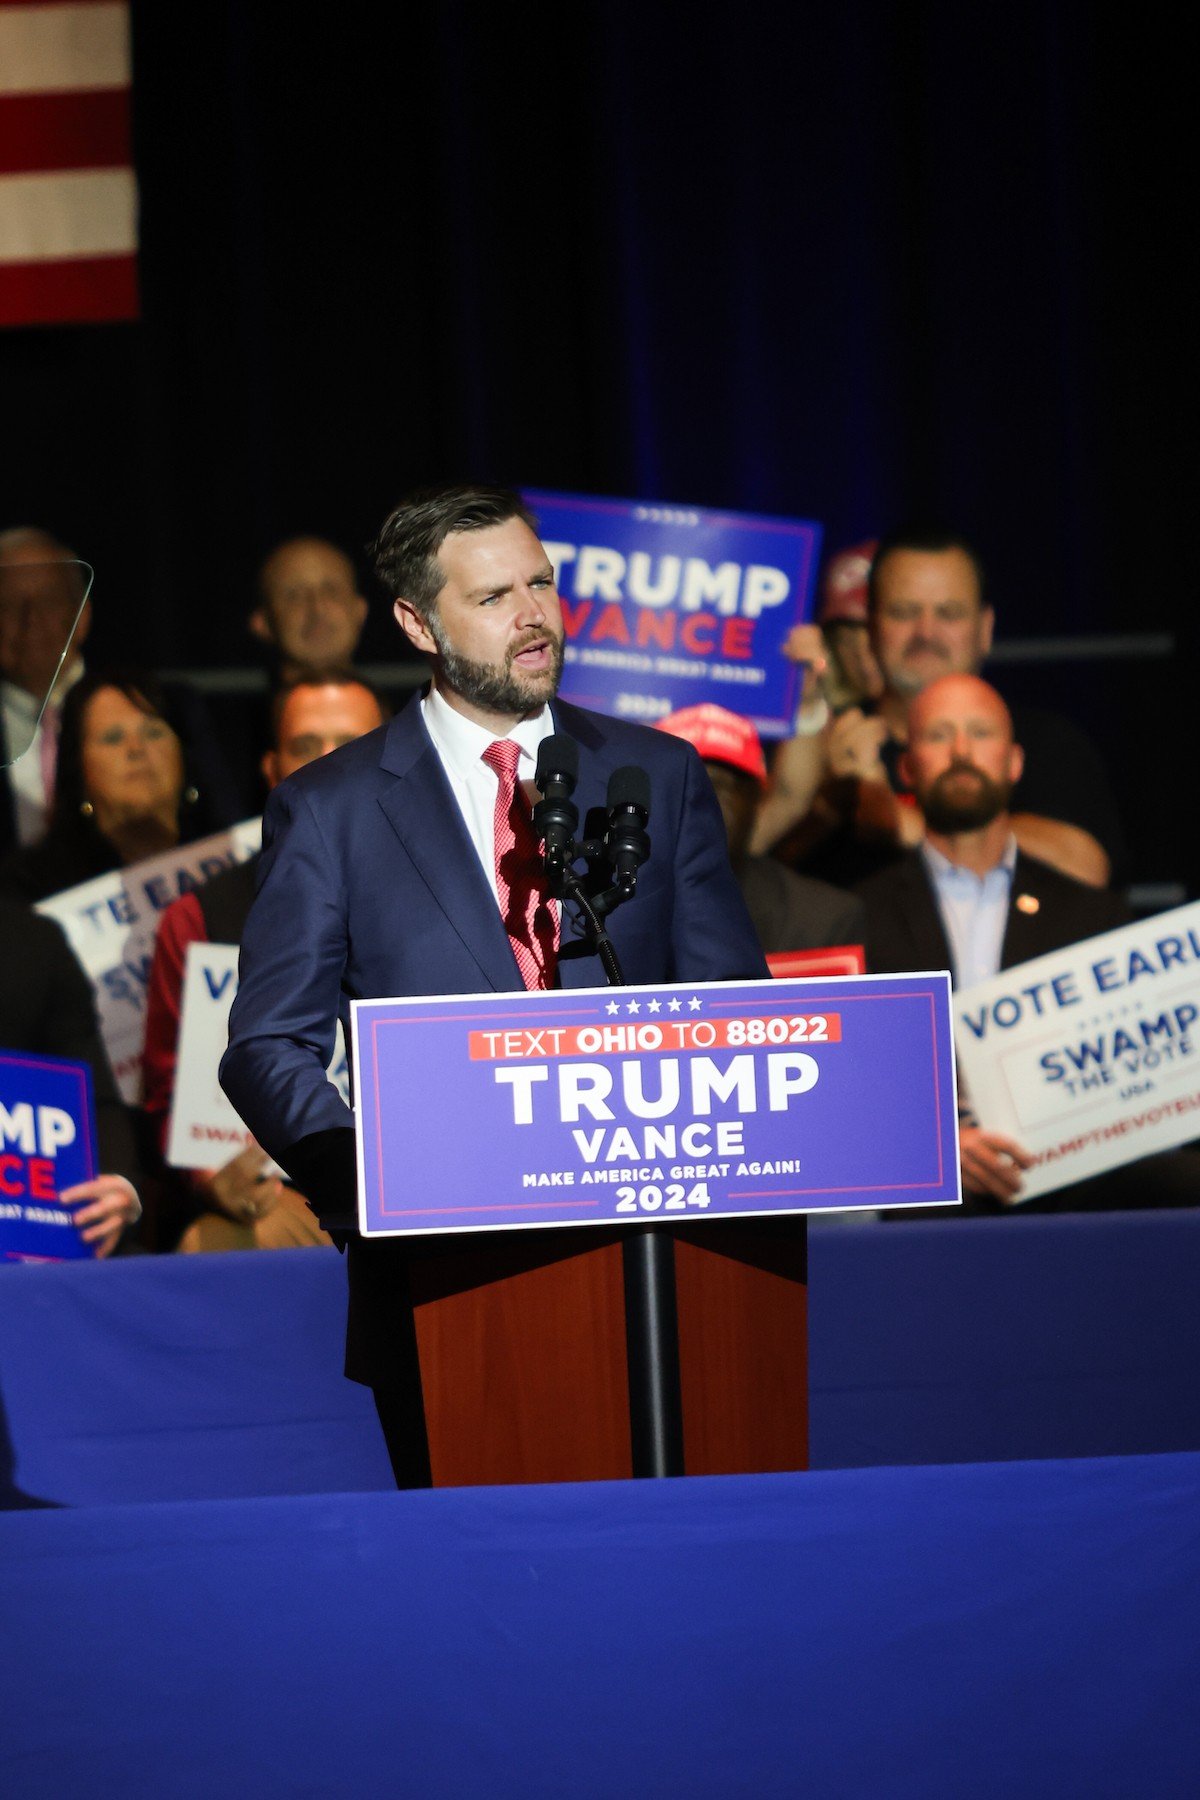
x: 931, y: 540
x: 405, y: 552
x: 318, y: 676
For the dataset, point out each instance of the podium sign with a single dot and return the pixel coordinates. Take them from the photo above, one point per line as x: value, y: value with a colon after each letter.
x: 604, y: 1106
x: 47, y: 1144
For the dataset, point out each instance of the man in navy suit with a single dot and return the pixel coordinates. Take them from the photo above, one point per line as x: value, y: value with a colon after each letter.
x: 380, y: 877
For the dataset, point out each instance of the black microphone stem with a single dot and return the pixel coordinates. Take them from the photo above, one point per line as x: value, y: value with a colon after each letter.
x: 573, y: 889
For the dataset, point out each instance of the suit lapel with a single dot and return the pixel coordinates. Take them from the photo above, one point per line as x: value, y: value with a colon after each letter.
x: 922, y: 917
x: 1024, y: 933
x: 576, y: 969
x: 593, y: 767
x: 421, y: 809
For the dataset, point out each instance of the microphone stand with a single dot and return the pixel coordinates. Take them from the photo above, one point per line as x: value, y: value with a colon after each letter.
x: 597, y: 932
x: 647, y: 1251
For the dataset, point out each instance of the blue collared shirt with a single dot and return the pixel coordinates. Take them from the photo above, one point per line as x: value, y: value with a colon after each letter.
x: 974, y: 911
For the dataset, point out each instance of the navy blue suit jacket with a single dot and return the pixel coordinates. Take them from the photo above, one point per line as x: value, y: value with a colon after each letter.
x: 369, y: 887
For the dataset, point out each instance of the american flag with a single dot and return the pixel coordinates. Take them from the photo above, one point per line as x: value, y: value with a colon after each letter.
x: 68, y: 199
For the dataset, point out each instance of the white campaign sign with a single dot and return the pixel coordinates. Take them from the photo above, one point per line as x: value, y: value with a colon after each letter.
x: 1089, y: 1057
x: 110, y: 924
x: 205, y: 1130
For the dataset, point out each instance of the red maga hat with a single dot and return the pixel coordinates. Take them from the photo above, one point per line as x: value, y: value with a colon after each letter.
x: 719, y: 736
x: 844, y: 585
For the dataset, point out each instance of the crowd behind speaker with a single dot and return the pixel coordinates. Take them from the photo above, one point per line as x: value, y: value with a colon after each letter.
x: 911, y: 810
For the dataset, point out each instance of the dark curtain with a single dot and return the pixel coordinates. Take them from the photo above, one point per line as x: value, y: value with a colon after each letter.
x: 848, y: 262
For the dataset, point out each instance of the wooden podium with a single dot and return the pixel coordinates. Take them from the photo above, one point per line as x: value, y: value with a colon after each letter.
x: 533, y: 1370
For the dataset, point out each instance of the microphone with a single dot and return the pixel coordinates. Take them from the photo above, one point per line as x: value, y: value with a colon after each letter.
x: 626, y: 843
x: 554, y: 816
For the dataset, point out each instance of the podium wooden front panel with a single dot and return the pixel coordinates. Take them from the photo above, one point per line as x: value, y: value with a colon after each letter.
x: 521, y: 1337
x: 521, y: 1341
x: 742, y: 1297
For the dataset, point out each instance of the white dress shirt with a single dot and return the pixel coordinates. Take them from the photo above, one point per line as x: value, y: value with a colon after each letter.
x: 460, y: 745
x: 974, y: 911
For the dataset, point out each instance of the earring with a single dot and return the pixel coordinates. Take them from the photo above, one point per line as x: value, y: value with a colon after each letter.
x: 190, y: 796
x: 86, y: 808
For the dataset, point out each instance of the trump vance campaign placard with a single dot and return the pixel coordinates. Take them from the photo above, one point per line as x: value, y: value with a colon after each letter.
x: 602, y: 1105
x: 669, y: 606
x: 1090, y: 1056
x: 47, y: 1144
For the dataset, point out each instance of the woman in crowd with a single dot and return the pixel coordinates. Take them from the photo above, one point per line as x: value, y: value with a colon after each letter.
x: 124, y: 788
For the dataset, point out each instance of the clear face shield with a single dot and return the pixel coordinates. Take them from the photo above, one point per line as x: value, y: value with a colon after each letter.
x: 42, y: 603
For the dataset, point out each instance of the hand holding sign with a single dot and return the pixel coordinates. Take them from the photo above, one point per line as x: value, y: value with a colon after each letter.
x: 991, y: 1163
x: 805, y: 645
x: 107, y: 1206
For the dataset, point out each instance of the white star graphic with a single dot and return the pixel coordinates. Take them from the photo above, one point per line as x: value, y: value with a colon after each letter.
x: 634, y: 1006
x: 612, y: 1007
x: 653, y: 1006
x: 674, y: 1005
x: 693, y: 1004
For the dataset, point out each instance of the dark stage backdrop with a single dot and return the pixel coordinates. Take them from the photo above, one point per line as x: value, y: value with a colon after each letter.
x: 851, y: 262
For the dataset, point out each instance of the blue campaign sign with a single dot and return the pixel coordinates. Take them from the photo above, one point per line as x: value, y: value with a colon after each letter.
x: 47, y: 1143
x: 602, y: 1105
x: 671, y: 606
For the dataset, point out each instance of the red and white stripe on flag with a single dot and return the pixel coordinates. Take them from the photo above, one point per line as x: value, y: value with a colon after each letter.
x: 68, y: 199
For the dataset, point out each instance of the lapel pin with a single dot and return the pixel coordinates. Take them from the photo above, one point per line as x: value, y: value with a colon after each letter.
x: 1028, y: 903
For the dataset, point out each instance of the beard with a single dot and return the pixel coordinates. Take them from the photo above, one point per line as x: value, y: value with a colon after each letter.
x: 499, y: 687
x: 963, y: 798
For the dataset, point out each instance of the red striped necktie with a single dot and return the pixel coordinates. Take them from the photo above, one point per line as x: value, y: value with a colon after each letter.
x: 530, y: 919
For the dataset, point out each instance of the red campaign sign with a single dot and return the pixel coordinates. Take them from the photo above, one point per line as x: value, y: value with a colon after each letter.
x: 832, y: 959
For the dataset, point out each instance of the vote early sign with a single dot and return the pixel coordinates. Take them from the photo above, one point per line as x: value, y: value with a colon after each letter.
x: 47, y: 1143
x: 205, y: 1131
x: 1089, y: 1057
x: 597, y: 1106
x: 110, y: 924
x: 669, y: 606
